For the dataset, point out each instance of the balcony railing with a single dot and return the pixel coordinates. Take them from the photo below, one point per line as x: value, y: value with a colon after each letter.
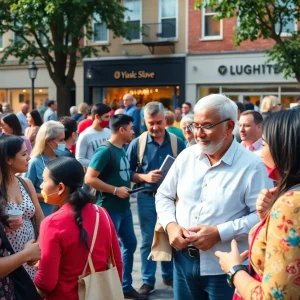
x: 159, y: 34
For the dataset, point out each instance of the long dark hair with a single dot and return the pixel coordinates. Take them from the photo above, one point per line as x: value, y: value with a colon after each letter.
x: 69, y: 171
x: 36, y: 118
x: 13, y: 122
x: 10, y: 145
x: 281, y: 132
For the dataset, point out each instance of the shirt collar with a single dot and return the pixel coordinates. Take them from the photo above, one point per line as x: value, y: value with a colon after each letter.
x: 227, y: 158
x: 257, y: 144
x: 150, y: 139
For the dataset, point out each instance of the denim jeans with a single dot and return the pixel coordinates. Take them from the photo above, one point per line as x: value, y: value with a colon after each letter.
x: 124, y: 226
x: 188, y: 284
x: 147, y: 218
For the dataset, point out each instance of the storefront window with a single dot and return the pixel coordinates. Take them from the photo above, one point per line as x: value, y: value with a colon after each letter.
x: 16, y: 97
x: 167, y: 95
x: 286, y: 94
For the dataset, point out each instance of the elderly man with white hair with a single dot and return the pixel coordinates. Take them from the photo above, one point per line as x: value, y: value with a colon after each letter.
x: 217, y: 182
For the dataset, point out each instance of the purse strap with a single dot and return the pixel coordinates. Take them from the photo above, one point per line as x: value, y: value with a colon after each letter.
x: 111, y: 248
x: 89, y: 261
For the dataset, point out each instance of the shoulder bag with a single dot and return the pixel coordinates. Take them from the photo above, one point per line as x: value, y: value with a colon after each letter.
x: 103, y: 285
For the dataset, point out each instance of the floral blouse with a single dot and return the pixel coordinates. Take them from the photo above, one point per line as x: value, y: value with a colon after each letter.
x: 275, y: 254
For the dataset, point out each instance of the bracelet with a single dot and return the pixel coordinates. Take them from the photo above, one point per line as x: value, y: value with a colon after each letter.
x: 115, y: 191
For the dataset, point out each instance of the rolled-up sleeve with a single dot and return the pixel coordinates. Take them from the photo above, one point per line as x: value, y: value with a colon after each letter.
x: 240, y: 227
x: 166, y: 196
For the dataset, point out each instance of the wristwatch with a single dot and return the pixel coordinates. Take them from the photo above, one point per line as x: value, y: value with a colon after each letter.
x: 232, y: 272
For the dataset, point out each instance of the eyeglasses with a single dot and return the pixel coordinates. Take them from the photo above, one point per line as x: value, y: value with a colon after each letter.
x: 206, y: 128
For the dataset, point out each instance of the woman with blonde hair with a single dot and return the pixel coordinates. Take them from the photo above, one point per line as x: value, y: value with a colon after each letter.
x: 269, y: 105
x: 49, y: 139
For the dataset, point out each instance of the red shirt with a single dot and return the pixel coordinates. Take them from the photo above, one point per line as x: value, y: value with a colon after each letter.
x: 64, y: 255
x: 82, y: 126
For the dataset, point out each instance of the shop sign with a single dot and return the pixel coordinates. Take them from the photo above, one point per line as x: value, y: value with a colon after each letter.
x: 133, y: 75
x: 249, y: 69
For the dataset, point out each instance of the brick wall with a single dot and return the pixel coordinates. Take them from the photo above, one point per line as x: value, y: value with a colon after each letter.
x: 195, y: 45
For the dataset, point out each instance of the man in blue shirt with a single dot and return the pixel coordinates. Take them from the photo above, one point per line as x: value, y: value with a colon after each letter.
x: 131, y: 110
x: 158, y: 146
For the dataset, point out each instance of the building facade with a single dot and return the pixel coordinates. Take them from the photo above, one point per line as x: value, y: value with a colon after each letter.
x: 158, y: 32
x: 215, y: 65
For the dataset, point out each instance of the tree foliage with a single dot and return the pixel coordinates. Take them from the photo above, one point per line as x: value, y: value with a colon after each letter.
x: 266, y: 19
x: 54, y: 30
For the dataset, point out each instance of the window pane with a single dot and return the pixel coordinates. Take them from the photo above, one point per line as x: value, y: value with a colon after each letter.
x: 288, y: 27
x: 212, y: 27
x: 134, y: 31
x: 134, y: 10
x: 100, y: 32
x: 168, y: 28
x: 168, y: 8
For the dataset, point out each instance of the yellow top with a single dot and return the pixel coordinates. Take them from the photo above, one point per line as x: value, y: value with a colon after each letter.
x: 177, y: 124
x: 276, y: 252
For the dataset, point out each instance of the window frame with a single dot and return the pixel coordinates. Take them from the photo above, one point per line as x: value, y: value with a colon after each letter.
x: 103, y: 42
x: 133, y: 41
x: 209, y: 38
x: 160, y: 18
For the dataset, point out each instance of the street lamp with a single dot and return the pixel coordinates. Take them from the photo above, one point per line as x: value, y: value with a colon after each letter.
x: 32, y: 71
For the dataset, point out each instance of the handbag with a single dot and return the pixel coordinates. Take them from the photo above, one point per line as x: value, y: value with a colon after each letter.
x: 236, y: 295
x: 161, y: 250
x: 103, y: 285
x: 24, y: 287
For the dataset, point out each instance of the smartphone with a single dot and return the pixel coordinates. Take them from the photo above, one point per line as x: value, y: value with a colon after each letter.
x: 139, y: 189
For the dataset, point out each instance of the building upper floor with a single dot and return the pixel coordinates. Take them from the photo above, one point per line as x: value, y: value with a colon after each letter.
x: 208, y: 35
x: 156, y: 27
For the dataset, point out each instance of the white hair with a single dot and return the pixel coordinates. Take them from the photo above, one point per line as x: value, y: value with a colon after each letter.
x: 50, y: 130
x: 186, y: 120
x: 226, y: 108
x: 73, y: 110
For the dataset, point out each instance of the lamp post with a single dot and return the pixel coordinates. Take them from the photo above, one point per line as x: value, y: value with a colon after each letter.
x: 32, y: 71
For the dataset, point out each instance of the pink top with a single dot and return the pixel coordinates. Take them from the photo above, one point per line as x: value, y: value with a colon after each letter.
x: 64, y: 255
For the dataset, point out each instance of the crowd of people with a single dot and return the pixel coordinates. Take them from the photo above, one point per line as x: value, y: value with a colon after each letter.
x: 229, y: 206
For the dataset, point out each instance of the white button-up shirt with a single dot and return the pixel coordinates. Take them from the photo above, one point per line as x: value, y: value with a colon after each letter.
x: 222, y: 195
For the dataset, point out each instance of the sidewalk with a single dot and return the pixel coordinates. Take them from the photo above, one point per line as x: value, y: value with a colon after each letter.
x: 161, y: 292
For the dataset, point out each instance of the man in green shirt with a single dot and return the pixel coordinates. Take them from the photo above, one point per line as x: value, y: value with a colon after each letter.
x: 108, y: 173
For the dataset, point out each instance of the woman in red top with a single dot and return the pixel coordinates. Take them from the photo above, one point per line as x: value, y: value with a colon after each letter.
x: 66, y: 235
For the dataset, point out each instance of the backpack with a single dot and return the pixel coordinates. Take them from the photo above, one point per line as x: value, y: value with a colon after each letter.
x: 142, y: 146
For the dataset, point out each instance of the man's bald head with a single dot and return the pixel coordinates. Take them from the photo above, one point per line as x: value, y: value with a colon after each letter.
x: 128, y: 100
x: 25, y: 108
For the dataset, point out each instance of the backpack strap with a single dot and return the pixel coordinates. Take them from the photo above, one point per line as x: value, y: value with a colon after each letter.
x: 142, y: 146
x: 112, y: 160
x: 174, y: 144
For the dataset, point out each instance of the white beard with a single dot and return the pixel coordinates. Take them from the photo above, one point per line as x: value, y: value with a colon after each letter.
x: 211, y: 148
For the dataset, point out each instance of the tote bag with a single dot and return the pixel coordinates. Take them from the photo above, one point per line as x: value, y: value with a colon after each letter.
x: 103, y: 285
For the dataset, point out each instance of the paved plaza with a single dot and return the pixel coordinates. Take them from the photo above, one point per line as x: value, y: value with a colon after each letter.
x: 161, y: 292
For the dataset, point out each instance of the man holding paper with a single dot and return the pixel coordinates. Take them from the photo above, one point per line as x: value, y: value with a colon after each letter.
x: 217, y: 182
x: 146, y: 155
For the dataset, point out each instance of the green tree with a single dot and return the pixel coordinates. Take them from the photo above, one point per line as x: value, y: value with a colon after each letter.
x: 266, y: 19
x: 53, y: 30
